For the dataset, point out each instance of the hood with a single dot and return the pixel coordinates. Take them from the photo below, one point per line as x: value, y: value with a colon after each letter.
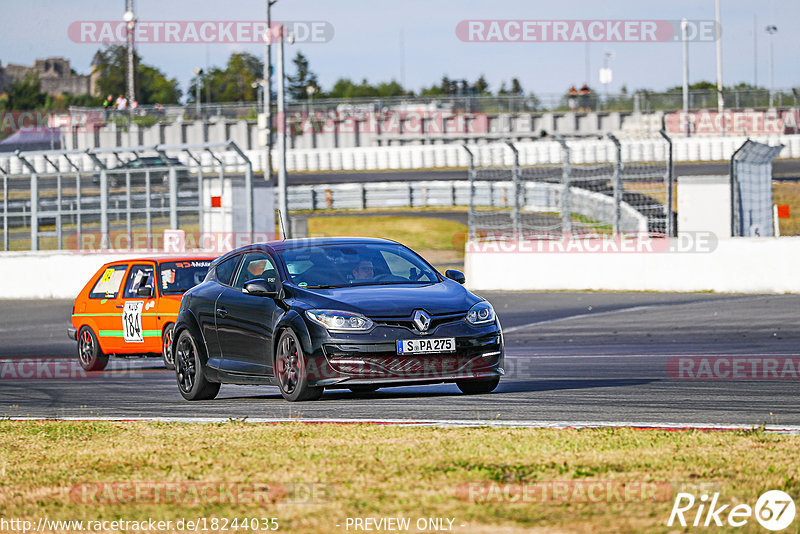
x: 391, y: 300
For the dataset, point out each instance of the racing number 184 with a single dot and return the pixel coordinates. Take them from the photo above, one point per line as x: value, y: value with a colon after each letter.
x: 132, y: 321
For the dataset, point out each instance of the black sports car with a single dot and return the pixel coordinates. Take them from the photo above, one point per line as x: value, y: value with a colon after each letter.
x: 354, y: 313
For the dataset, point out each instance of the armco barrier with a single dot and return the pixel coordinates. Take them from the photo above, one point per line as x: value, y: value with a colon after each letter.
x: 743, y: 265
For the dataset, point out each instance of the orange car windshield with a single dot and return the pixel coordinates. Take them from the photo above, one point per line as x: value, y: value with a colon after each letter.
x: 177, y: 277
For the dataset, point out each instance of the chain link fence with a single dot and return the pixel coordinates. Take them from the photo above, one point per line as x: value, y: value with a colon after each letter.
x: 633, y: 194
x: 751, y: 190
x: 111, y: 198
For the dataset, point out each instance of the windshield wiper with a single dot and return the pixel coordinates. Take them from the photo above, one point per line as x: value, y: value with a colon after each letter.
x: 320, y: 286
x: 391, y: 283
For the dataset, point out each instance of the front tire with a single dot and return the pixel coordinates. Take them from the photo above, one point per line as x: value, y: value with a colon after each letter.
x: 192, y: 382
x: 166, y: 347
x: 89, y: 354
x: 290, y: 370
x: 476, y: 387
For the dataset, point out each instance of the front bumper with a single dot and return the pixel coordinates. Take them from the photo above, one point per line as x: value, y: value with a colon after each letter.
x: 72, y: 333
x: 372, y: 359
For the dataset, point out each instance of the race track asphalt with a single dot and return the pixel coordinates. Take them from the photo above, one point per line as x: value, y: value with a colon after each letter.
x: 571, y: 358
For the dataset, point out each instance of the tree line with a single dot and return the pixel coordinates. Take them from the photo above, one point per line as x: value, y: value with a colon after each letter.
x: 236, y: 81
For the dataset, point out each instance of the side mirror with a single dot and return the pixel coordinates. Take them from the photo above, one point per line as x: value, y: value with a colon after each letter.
x: 259, y: 288
x: 456, y: 276
x: 145, y: 291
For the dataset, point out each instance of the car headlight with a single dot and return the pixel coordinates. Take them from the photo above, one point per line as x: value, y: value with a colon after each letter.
x: 481, y: 313
x: 340, y: 321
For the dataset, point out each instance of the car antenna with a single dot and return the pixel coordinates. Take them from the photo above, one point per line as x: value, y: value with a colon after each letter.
x: 283, y: 229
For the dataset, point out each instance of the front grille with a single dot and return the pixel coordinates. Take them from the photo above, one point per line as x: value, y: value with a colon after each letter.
x: 406, y: 322
x: 381, y: 361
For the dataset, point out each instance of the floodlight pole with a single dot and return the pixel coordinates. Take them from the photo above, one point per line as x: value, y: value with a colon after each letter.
x: 283, y: 203
x: 685, y: 37
x: 267, y: 100
x: 720, y: 99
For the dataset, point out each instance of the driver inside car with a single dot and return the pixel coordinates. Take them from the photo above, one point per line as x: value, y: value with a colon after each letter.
x: 256, y: 269
x: 364, y: 271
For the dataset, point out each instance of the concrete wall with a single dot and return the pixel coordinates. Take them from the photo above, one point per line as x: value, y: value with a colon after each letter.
x: 362, y: 132
x: 49, y: 275
x: 741, y: 265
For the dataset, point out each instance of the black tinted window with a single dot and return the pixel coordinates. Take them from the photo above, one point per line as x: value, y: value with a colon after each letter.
x: 256, y: 265
x: 225, y: 270
x: 357, y: 264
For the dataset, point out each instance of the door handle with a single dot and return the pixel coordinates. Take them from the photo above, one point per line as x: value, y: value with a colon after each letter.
x: 222, y: 312
x: 120, y: 305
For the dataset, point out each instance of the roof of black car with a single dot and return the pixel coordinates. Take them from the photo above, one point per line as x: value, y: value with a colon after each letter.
x: 308, y: 242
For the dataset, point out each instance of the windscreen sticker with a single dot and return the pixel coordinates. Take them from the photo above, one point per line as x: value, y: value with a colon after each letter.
x: 132, y: 321
x: 167, y: 278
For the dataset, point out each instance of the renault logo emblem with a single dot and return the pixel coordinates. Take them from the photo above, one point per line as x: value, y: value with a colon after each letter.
x: 422, y: 320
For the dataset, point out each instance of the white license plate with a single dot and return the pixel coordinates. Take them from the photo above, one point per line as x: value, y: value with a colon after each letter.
x: 417, y: 346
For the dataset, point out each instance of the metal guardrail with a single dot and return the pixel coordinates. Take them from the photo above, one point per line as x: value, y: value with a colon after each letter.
x: 50, y: 201
x: 626, y: 195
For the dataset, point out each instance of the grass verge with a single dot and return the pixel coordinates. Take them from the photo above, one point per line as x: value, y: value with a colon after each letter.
x: 377, y: 471
x: 440, y: 241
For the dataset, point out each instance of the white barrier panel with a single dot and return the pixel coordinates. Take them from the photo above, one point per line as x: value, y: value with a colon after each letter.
x: 743, y: 265
x: 50, y: 275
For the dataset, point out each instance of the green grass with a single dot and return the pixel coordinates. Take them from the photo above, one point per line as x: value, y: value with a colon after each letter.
x: 440, y: 241
x: 380, y: 471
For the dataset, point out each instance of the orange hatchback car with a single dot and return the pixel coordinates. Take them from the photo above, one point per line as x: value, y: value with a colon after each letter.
x: 129, y: 307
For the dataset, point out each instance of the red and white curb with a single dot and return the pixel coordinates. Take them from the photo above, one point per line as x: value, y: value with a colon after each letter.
x: 443, y: 423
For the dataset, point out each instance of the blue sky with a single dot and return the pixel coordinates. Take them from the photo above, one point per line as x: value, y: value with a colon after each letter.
x: 367, y: 39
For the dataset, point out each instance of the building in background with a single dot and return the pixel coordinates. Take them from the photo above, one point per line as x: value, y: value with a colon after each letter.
x: 55, y: 74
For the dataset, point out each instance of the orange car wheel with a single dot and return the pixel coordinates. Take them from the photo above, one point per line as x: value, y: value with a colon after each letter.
x: 89, y: 353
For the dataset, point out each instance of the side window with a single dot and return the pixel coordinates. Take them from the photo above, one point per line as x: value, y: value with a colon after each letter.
x: 225, y: 270
x: 256, y: 265
x: 107, y: 286
x: 139, y: 276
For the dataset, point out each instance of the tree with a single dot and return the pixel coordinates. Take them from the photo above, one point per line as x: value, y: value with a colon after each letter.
x: 482, y: 86
x: 302, y: 79
x: 26, y: 94
x: 151, y: 85
x: 234, y: 83
x: 516, y: 87
x: 445, y: 87
x: 345, y: 88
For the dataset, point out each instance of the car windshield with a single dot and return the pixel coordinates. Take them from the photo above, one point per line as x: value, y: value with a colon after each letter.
x: 344, y: 265
x: 177, y: 277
